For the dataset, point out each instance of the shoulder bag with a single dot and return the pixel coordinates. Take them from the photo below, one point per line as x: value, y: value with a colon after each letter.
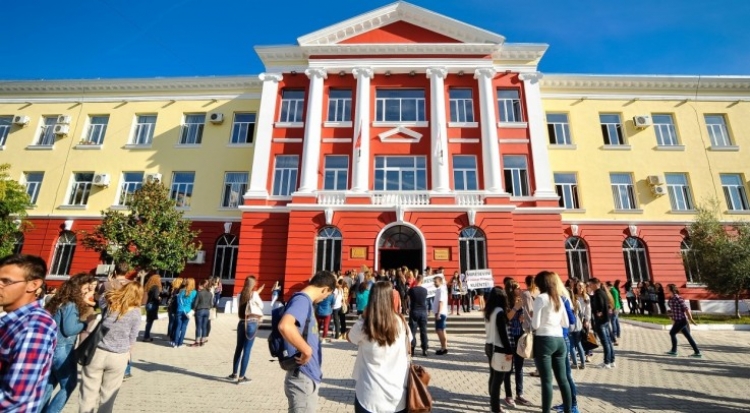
x: 87, y: 348
x: 525, y: 346
x: 418, y: 396
x: 498, y: 361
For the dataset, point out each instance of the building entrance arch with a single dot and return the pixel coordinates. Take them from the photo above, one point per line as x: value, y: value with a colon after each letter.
x: 400, y: 245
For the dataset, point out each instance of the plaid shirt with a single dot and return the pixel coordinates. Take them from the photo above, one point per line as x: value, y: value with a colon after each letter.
x: 678, y: 307
x: 28, y: 337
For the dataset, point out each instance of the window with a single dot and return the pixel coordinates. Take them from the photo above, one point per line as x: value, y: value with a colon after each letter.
x: 399, y: 105
x: 465, y: 173
x: 235, y: 186
x: 292, y: 106
x: 516, y: 175
x: 558, y: 129
x: 225, y: 258
x: 577, y: 256
x: 461, y: 105
x: 18, y: 240
x: 182, y: 188
x: 666, y: 134
x: 611, y: 129
x: 636, y: 260
x: 400, y: 173
x: 734, y: 192
x: 509, y: 102
x: 340, y: 105
x: 97, y: 130
x: 33, y: 185
x: 567, y: 189
x: 192, y: 129
x: 336, y: 173
x: 63, y: 257
x: 623, y: 191
x: 47, y: 134
x: 328, y: 250
x: 243, y: 128
x: 679, y: 192
x: 5, y: 123
x: 690, y: 261
x: 144, y: 130
x: 285, y: 175
x: 81, y: 188
x: 717, y: 130
x: 472, y: 247
x: 131, y: 182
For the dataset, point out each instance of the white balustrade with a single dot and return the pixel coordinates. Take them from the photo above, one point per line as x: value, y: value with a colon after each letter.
x: 469, y: 199
x: 331, y: 198
x: 400, y: 198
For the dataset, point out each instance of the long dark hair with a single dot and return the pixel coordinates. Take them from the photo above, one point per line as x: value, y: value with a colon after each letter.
x: 497, y: 299
x: 381, y: 320
x: 70, y: 292
x: 511, y: 288
x: 247, y: 290
x: 547, y: 283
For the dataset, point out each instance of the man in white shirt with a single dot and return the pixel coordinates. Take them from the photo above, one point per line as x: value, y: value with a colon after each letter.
x: 441, y: 314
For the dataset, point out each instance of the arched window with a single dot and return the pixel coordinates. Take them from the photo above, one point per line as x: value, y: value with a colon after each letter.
x: 636, y: 259
x: 225, y: 258
x: 692, y: 273
x: 18, y: 242
x: 472, y: 247
x: 63, y: 257
x: 577, y: 256
x: 328, y: 250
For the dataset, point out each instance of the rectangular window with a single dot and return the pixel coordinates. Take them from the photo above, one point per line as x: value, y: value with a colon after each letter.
x: 734, y: 192
x: 5, y: 123
x: 611, y: 129
x: 144, y: 130
x: 567, y: 189
x: 516, y: 175
x: 461, y: 105
x: 509, y: 103
x: 97, y: 130
x: 243, y: 128
x: 131, y: 182
x: 400, y: 105
x: 292, y: 106
x: 285, y: 175
x: 465, y: 173
x: 47, y: 134
x: 340, y: 105
x: 623, y: 191
x: 400, y: 173
x: 717, y: 130
x: 235, y: 186
x: 182, y: 188
x: 666, y: 134
x: 192, y: 129
x: 81, y: 188
x: 558, y: 129
x: 33, y: 185
x: 679, y: 192
x: 336, y: 172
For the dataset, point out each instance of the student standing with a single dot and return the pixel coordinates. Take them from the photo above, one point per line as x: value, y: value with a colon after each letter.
x: 323, y: 312
x: 202, y: 306
x: 184, y: 309
x: 251, y: 314
x: 153, y: 297
x: 497, y: 341
x: 600, y: 314
x: 680, y: 315
x: 441, y: 314
x: 418, y: 314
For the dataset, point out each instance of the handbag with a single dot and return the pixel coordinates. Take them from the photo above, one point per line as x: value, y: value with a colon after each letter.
x: 589, y: 343
x: 418, y: 398
x: 87, y: 348
x: 525, y: 347
x: 500, y: 363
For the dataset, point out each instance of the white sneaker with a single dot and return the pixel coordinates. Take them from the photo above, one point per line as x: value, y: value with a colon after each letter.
x: 604, y: 366
x: 613, y: 365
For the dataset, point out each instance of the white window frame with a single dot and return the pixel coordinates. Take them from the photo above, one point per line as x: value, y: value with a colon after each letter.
x: 680, y: 195
x: 622, y: 192
x: 285, y: 176
x: 665, y: 130
x: 568, y: 192
x: 184, y: 188
x: 472, y: 239
x: 509, y: 109
x: 610, y: 129
x: 466, y: 174
x: 143, y: 132
x: 231, y: 196
x: 516, y: 179
x: 735, y: 194
x: 689, y: 262
x: 718, y: 132
x: 559, y: 131
x: 62, y: 259
x: 47, y: 131
x: 340, y: 174
x: 191, y: 133
x: 401, y: 171
x: 327, y: 243
x: 128, y: 188
x: 381, y: 103
x: 33, y: 187
x: 577, y: 258
x: 461, y: 109
x: 82, y: 186
x: 6, y: 122
x: 96, y: 131
x: 227, y: 247
x: 243, y: 133
x: 292, y: 109
x: 634, y: 247
x: 339, y: 108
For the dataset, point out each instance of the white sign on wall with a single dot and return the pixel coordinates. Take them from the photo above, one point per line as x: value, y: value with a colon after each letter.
x: 476, y: 279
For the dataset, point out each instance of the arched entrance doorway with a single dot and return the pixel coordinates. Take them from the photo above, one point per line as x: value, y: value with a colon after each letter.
x: 400, y: 245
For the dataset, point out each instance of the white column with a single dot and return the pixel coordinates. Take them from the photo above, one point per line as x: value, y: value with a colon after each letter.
x: 538, y: 135
x: 361, y: 156
x: 439, y: 131
x: 263, y: 136
x: 492, y: 168
x: 313, y: 123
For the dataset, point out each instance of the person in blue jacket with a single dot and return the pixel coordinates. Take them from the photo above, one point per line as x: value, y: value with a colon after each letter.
x: 185, y: 301
x: 323, y: 312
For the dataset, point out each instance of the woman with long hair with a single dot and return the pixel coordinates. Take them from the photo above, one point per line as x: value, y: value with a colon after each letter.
x: 496, y: 341
x: 582, y: 309
x: 70, y: 309
x: 362, y: 297
x: 382, y: 365
x: 202, y: 306
x: 103, y: 376
x: 153, y: 293
x: 456, y: 293
x: 515, y: 327
x: 549, y: 318
x: 251, y: 314
x: 185, y: 301
x: 178, y: 284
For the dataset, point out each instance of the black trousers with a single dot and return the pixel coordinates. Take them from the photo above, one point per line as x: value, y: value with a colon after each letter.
x: 418, y: 319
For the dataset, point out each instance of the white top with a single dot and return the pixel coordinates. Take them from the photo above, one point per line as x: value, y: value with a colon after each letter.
x: 441, y: 296
x: 381, y: 373
x: 255, y: 305
x: 338, y: 298
x: 546, y: 321
x: 491, y: 335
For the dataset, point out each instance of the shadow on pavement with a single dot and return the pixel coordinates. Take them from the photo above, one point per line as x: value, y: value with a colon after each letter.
x: 149, y: 366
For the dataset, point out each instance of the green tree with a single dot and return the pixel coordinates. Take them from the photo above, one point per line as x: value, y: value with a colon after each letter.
x: 13, y: 203
x: 153, y: 235
x: 722, y: 253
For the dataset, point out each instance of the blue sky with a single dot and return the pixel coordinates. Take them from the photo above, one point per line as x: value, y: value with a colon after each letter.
x: 138, y: 38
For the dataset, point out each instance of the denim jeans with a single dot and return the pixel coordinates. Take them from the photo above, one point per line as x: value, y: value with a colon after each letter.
x: 127, y: 369
x: 201, y: 323
x: 171, y: 326
x: 549, y: 357
x: 573, y: 390
x: 181, y: 326
x: 151, y: 308
x: 576, y: 347
x: 64, y: 372
x: 418, y: 319
x: 614, y: 321
x: 244, y: 346
x: 682, y: 327
x: 605, y: 337
x: 518, y: 368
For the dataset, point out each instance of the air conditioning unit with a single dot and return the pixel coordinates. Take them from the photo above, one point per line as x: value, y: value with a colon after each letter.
x: 153, y: 177
x: 642, y: 121
x: 62, y: 130
x: 101, y: 179
x: 63, y: 119
x: 659, y: 190
x: 21, y: 120
x: 199, y: 258
x: 216, y: 117
x: 655, y: 180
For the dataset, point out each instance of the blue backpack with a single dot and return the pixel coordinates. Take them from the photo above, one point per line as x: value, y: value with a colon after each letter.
x: 280, y: 348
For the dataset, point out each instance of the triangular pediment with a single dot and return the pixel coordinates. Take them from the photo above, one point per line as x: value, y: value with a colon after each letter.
x: 399, y: 32
x: 400, y: 134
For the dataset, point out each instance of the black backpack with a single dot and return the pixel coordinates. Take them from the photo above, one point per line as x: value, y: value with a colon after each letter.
x: 280, y: 348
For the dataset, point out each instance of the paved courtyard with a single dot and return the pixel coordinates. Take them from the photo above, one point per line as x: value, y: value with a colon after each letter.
x: 192, y: 379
